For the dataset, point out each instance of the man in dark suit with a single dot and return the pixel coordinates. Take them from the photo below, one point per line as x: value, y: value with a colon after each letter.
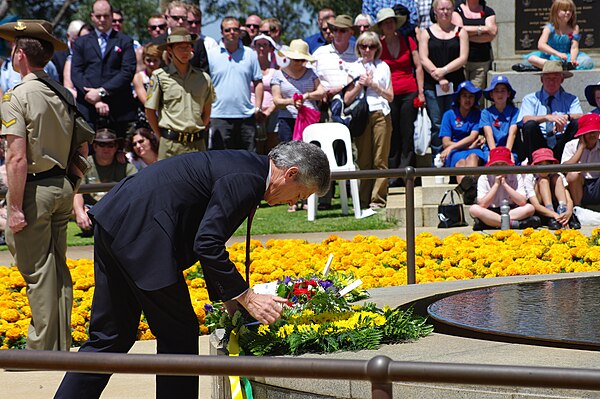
x: 160, y: 221
x: 102, y: 69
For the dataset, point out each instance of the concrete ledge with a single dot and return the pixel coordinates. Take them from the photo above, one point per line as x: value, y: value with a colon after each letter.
x: 442, y: 348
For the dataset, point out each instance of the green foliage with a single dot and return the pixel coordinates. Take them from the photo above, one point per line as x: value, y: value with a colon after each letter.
x: 350, y: 7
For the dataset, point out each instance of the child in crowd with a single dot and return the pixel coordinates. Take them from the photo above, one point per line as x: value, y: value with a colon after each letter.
x: 584, y: 187
x: 499, y: 121
x: 547, y: 191
x: 493, y: 189
x: 460, y: 137
x: 560, y: 39
x: 592, y: 94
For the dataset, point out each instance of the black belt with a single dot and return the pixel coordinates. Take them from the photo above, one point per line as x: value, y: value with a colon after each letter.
x: 181, y: 137
x: 55, y: 171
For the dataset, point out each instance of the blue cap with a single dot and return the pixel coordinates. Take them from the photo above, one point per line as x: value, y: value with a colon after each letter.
x: 590, y: 94
x: 499, y: 79
x: 468, y: 86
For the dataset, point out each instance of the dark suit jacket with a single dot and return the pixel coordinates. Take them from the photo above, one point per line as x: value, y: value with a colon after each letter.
x: 114, y: 72
x: 181, y: 210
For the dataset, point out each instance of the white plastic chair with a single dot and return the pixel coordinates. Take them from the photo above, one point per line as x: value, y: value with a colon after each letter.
x: 324, y: 135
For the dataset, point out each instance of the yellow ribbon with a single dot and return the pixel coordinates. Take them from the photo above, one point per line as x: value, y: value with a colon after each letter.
x: 233, y: 348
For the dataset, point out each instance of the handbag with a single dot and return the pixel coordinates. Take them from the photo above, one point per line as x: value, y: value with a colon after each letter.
x: 306, y: 116
x: 451, y: 214
x: 422, y: 133
x: 355, y: 115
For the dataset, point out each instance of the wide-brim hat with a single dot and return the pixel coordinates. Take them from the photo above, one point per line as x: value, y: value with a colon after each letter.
x: 499, y: 79
x: 589, y: 94
x: 543, y: 154
x: 297, y: 50
x: 468, y: 86
x: 588, y: 123
x: 342, y: 21
x: 105, y: 136
x: 178, y: 35
x: 34, y: 28
x: 387, y: 13
x: 262, y: 36
x: 499, y: 154
x: 554, y: 66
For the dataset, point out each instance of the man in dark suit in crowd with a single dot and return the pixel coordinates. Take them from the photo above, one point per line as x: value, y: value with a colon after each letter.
x: 160, y: 221
x: 103, y: 66
x: 60, y: 57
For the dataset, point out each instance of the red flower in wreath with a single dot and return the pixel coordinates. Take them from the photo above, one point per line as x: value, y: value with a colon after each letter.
x: 570, y: 35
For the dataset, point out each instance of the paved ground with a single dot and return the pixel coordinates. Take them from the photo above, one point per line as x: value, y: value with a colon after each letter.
x: 437, y: 347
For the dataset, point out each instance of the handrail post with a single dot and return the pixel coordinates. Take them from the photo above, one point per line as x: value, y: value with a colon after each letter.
x: 378, y: 371
x: 410, y: 225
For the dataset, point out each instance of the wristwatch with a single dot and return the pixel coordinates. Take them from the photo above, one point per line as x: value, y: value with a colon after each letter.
x: 102, y: 92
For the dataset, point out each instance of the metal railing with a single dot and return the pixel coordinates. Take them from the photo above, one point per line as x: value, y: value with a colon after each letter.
x: 380, y: 371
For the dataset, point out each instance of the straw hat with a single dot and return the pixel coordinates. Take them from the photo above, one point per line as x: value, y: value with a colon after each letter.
x: 387, y: 13
x: 297, y: 50
x: 342, y: 21
x: 178, y: 35
x: 554, y: 67
x: 34, y: 28
x: 588, y: 123
x: 543, y: 154
x: 499, y: 154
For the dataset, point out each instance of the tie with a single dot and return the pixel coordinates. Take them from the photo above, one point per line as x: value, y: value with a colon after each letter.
x: 103, y: 41
x: 551, y: 139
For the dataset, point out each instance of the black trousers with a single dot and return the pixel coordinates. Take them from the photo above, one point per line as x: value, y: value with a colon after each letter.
x: 116, y: 310
x: 402, y: 147
x: 233, y: 133
x: 533, y: 139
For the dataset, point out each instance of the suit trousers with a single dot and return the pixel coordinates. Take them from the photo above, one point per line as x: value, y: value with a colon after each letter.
x: 534, y: 139
x: 116, y: 310
x: 40, y: 251
x: 373, y: 152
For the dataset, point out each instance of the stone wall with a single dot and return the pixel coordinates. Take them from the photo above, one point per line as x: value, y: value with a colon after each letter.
x: 504, y: 44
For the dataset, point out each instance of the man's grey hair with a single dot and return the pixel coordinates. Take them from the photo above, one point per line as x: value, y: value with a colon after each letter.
x: 309, y: 159
x: 75, y: 27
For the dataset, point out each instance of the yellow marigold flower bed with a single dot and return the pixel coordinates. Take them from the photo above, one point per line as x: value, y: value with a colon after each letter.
x: 377, y: 262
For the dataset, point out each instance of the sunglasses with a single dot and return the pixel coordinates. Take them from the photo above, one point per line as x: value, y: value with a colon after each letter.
x: 157, y: 27
x: 253, y: 26
x: 368, y: 46
x: 106, y: 145
x: 364, y: 26
x: 195, y: 21
x: 228, y: 30
x: 178, y: 17
x: 117, y: 20
x: 150, y: 60
x: 326, y: 29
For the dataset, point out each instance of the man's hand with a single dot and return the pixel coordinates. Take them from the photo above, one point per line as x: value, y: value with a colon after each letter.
x: 16, y: 220
x: 264, y: 308
x: 102, y: 108
x: 83, y: 220
x: 92, y: 96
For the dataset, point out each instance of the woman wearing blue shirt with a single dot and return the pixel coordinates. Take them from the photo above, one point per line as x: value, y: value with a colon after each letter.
x: 499, y: 122
x: 460, y: 137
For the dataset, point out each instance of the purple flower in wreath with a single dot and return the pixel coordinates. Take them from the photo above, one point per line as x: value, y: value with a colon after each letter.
x: 326, y: 284
x: 287, y: 280
x: 208, y: 307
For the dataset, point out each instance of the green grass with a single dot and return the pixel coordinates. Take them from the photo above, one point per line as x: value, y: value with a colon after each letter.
x: 277, y: 220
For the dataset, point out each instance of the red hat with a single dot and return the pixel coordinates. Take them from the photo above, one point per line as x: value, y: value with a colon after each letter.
x: 500, y: 154
x: 543, y: 154
x: 588, y: 123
